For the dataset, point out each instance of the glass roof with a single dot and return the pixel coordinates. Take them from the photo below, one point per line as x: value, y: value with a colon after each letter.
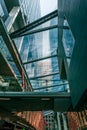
x: 39, y: 55
x: 38, y: 51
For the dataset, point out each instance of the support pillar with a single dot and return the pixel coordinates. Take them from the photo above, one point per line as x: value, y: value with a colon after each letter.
x: 64, y: 122
x: 59, y: 123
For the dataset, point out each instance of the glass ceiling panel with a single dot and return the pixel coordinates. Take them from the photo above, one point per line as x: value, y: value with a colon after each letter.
x: 39, y: 45
x: 59, y: 89
x: 6, y: 53
x: 43, y: 74
x: 68, y: 42
x: 43, y: 67
x: 49, y: 23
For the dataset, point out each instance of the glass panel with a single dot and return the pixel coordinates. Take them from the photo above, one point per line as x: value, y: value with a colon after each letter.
x: 1, y: 11
x: 49, y: 23
x: 37, y: 46
x: 30, y: 9
x: 68, y: 41
x: 6, y: 53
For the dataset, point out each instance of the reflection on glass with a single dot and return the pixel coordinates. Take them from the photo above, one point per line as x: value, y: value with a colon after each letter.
x: 39, y: 45
x: 1, y: 11
x: 30, y: 10
x: 3, y: 48
x: 68, y: 41
x: 14, y: 85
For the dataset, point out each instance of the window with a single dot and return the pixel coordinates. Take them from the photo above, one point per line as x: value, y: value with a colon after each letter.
x: 68, y: 42
x: 1, y: 11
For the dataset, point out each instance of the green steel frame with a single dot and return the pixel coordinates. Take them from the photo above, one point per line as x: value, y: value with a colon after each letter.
x: 34, y: 101
x: 43, y: 58
x: 34, y: 24
x: 44, y: 76
x: 13, y: 51
x: 52, y: 86
x: 43, y: 29
x: 26, y: 30
x: 9, y: 95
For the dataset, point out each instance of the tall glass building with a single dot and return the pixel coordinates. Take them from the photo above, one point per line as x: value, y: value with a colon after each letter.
x: 30, y: 47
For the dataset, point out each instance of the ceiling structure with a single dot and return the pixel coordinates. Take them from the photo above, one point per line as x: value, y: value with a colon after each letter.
x: 70, y: 69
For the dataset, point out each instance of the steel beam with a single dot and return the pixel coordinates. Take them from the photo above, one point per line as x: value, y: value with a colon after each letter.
x: 34, y: 101
x: 43, y: 29
x: 33, y: 78
x: 43, y: 58
x: 9, y: 95
x: 43, y: 80
x: 38, y: 30
x: 12, y: 17
x: 34, y: 24
x: 52, y: 86
x: 13, y: 51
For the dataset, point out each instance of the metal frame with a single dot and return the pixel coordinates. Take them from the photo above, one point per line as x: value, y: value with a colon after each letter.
x: 44, y: 76
x: 42, y: 80
x: 34, y: 24
x: 38, y: 30
x: 13, y: 51
x: 13, y: 95
x: 28, y: 101
x: 52, y: 86
x: 6, y: 69
x: 43, y: 58
x: 43, y: 29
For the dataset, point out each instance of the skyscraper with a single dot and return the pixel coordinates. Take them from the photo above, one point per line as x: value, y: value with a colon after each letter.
x: 30, y: 46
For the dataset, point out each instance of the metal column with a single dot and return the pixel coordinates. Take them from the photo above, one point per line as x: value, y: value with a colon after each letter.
x: 58, y: 119
x: 64, y: 122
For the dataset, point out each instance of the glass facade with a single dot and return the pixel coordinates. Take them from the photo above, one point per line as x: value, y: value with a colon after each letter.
x: 31, y: 9
x: 3, y: 10
x: 40, y: 45
x: 31, y: 46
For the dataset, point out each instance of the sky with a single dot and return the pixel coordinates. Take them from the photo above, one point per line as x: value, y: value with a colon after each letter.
x: 47, y: 6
